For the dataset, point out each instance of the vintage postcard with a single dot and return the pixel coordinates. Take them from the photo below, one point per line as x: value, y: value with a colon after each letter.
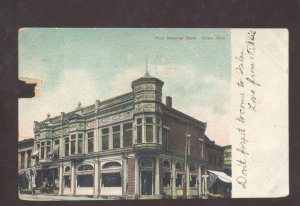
x: 153, y: 114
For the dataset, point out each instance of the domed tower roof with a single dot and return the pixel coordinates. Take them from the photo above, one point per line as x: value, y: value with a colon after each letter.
x: 147, y: 78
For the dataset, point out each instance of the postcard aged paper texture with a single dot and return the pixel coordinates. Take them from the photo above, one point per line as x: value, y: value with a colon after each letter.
x: 153, y: 114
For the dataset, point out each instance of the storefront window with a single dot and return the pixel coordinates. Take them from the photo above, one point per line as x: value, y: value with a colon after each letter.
x: 116, y: 137
x: 111, y: 176
x: 167, y: 179
x: 67, y: 180
x: 179, y: 175
x: 127, y: 134
x: 105, y: 140
x: 90, y: 136
x: 193, y: 181
x: 85, y: 181
x: 111, y: 179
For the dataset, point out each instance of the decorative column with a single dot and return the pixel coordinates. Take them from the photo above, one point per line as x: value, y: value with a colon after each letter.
x: 61, y: 145
x: 121, y: 136
x: 173, y: 188
x: 110, y: 138
x: 199, y: 183
x: 73, y: 180
x: 25, y: 160
x: 61, y: 178
x: 124, y: 177
x: 157, y: 188
x: 96, y: 179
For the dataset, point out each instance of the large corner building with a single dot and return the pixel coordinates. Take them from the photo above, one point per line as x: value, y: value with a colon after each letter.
x: 131, y: 146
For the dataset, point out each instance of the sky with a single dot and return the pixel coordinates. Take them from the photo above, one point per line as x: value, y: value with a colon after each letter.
x: 82, y: 65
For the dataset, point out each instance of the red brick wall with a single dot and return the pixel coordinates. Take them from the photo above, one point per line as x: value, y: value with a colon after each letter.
x: 177, y: 136
x: 131, y: 176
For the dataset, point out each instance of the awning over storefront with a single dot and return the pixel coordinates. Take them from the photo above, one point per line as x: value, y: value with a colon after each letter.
x: 55, y: 150
x: 21, y: 171
x: 221, y: 175
x: 35, y: 154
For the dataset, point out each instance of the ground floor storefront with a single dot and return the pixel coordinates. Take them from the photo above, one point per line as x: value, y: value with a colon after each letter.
x: 124, y: 176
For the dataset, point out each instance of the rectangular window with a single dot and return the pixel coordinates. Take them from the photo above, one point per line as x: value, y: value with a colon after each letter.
x: 111, y: 180
x: 56, y: 142
x: 127, y: 134
x: 165, y: 139
x: 139, y: 121
x: 105, y: 140
x: 149, y: 133
x: 116, y: 137
x: 48, y: 148
x: 66, y: 147
x: 90, y: 136
x: 42, y: 150
x: 80, y: 143
x: 179, y: 180
x: 73, y: 143
x: 157, y: 133
x: 139, y: 134
x: 167, y: 179
x: 149, y: 120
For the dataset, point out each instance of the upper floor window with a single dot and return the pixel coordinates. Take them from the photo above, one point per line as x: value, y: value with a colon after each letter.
x: 73, y: 143
x: 42, y: 150
x: 157, y: 129
x: 105, y: 139
x: 139, y: 130
x: 48, y: 148
x: 90, y: 137
x: 165, y: 138
x: 149, y: 129
x: 127, y: 134
x: 116, y: 137
x: 80, y: 137
x: 66, y: 147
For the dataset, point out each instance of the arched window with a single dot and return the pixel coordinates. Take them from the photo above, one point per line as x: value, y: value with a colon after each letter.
x: 111, y: 174
x: 85, y: 176
x: 166, y: 164
x: 85, y: 167
x: 178, y: 166
x: 67, y: 179
x: 193, y: 176
x: 192, y: 168
x: 111, y: 165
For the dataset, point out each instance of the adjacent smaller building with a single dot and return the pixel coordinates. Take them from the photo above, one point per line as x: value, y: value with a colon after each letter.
x: 227, y: 160
x: 25, y: 149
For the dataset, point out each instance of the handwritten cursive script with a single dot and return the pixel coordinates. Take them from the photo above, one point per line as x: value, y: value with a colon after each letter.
x: 246, y: 85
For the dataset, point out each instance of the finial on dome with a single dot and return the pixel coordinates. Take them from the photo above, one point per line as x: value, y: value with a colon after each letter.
x: 147, y: 72
x: 79, y: 104
x: 48, y: 115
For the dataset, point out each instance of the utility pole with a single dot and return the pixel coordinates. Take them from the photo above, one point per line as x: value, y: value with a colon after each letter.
x: 187, y: 136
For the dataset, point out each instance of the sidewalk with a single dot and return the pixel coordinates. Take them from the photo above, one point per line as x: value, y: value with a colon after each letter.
x: 44, y: 197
